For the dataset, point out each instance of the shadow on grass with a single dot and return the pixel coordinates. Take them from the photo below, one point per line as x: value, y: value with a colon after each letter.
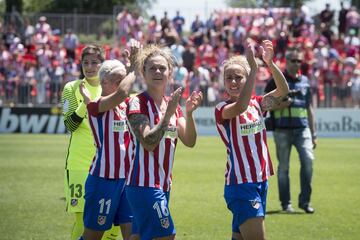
x: 283, y: 212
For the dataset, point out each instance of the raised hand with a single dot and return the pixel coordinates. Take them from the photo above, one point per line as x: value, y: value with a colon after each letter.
x: 173, y: 102
x: 193, y: 101
x: 267, y: 51
x: 135, y: 48
x: 250, y: 54
x: 85, y: 93
x: 126, y: 83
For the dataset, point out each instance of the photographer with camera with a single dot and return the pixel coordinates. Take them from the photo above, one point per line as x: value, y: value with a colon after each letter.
x: 293, y: 125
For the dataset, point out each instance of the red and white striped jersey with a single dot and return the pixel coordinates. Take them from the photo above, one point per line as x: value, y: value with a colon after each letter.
x: 153, y: 168
x: 112, y: 140
x: 248, y: 158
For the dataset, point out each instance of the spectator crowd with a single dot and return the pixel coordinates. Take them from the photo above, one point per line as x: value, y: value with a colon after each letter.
x: 37, y: 62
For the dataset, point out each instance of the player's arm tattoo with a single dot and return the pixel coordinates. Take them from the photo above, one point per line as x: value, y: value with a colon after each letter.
x: 270, y: 102
x: 149, y: 138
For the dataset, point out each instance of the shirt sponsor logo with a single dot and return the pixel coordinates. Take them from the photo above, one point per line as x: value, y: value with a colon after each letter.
x: 120, y: 126
x: 101, y: 219
x: 251, y: 128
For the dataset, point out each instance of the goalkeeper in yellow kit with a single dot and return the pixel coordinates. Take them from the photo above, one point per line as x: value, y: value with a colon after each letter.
x: 81, y: 148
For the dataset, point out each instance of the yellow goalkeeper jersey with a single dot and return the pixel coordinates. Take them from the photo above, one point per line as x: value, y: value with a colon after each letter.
x: 81, y: 148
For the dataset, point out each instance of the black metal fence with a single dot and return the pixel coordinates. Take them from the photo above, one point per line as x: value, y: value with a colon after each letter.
x: 80, y: 23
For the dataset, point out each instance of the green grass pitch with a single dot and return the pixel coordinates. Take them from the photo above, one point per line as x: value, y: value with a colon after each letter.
x: 32, y: 205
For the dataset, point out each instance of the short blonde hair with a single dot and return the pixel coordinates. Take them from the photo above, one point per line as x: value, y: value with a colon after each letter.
x: 111, y: 66
x: 237, y: 60
x: 153, y: 50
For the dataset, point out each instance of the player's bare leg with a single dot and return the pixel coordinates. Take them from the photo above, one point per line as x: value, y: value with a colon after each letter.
x: 253, y: 229
x: 126, y: 230
x: 236, y: 236
x: 92, y: 234
x: 172, y: 237
x: 135, y: 237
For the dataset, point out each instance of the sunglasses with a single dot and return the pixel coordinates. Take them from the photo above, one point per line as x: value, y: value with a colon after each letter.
x: 296, y: 61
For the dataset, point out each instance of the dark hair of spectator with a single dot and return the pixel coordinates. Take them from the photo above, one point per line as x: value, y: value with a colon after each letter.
x: 293, y: 52
x: 81, y: 75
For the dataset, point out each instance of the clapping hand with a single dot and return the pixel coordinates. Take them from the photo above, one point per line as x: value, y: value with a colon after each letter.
x: 250, y: 54
x: 85, y: 93
x: 173, y: 102
x: 267, y: 51
x: 193, y: 101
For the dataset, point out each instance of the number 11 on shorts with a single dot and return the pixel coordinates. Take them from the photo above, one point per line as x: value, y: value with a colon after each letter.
x: 102, y: 204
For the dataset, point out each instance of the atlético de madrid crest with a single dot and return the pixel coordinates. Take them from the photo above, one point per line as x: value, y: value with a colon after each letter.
x: 101, y: 220
x: 74, y: 202
x: 255, y: 204
x: 165, y: 223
